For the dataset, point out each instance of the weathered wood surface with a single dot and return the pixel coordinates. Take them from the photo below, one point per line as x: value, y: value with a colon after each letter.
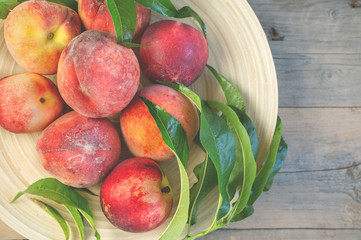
x: 317, y: 194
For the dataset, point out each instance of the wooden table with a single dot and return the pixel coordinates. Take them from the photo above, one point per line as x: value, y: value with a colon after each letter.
x: 316, y: 46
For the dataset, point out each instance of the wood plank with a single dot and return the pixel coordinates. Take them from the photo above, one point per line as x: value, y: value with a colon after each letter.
x: 285, y: 234
x: 321, y: 138
x: 319, y: 60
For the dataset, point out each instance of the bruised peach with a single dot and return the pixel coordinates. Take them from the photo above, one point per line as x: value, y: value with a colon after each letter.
x: 139, y: 129
x: 79, y: 151
x: 136, y: 195
x: 96, y: 16
x: 37, y: 31
x: 96, y: 76
x: 175, y: 52
x: 28, y: 102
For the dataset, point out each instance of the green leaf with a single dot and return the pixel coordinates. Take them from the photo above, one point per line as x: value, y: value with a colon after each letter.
x: 163, y: 7
x: 174, y: 136
x: 231, y: 93
x: 280, y: 158
x: 218, y: 141
x: 186, y: 91
x: 124, y: 16
x: 264, y: 173
x: 56, y: 215
x: 247, y: 162
x: 86, y: 190
x: 207, y: 181
x: 7, y: 5
x: 172, y: 131
x: 52, y: 189
x: 251, y: 129
x: 166, y: 8
x: 77, y: 219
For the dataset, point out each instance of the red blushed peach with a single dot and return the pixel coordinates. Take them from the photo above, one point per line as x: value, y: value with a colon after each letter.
x: 139, y: 129
x: 28, y: 102
x: 37, y: 31
x: 136, y: 195
x: 79, y: 151
x: 96, y: 76
x: 175, y: 52
x: 96, y: 16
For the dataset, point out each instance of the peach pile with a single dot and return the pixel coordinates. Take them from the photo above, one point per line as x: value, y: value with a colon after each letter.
x: 98, y: 78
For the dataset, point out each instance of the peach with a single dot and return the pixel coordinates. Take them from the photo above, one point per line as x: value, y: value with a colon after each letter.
x: 28, y: 102
x: 136, y: 195
x: 139, y: 129
x: 79, y: 151
x: 37, y: 31
x: 96, y: 16
x: 175, y: 52
x: 96, y: 76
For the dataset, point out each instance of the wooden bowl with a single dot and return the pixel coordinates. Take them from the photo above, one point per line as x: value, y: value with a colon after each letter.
x: 238, y: 49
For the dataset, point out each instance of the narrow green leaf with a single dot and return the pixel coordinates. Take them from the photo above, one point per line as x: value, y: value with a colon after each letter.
x: 217, y: 139
x: 86, y: 190
x: 124, y: 16
x: 52, y: 189
x: 163, y: 7
x: 264, y: 173
x: 186, y: 91
x: 251, y: 129
x: 175, y: 138
x: 172, y: 131
x: 77, y: 219
x: 248, y: 164
x: 90, y: 218
x: 231, y: 93
x: 7, y: 5
x: 56, y: 215
x: 207, y: 181
x: 166, y: 8
x: 280, y: 158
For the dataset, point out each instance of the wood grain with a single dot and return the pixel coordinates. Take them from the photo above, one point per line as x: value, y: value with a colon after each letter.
x: 285, y: 234
x: 318, y: 61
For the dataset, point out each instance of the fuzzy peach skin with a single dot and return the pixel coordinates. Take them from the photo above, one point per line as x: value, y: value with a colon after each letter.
x: 95, y: 16
x: 96, y: 76
x: 136, y: 195
x: 175, y: 52
x: 28, y: 102
x: 37, y: 31
x: 79, y: 151
x: 139, y: 129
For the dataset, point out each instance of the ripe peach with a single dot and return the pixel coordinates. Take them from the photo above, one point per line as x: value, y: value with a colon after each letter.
x: 28, y: 102
x: 175, y: 52
x: 136, y: 196
x: 96, y: 76
x: 139, y: 129
x: 79, y: 151
x: 96, y: 16
x: 37, y: 31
